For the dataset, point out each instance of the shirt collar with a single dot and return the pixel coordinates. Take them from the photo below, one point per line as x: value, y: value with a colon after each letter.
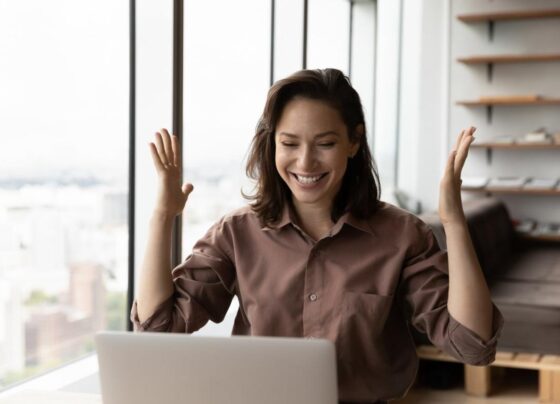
x: 288, y: 217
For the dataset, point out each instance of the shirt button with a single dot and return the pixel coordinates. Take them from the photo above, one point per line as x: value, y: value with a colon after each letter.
x: 312, y: 297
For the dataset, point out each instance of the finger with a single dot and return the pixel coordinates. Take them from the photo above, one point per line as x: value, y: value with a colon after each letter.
x: 155, y: 157
x: 449, y: 167
x: 463, y: 151
x: 458, y: 140
x: 176, y: 150
x: 187, y: 188
x: 167, y: 145
x: 161, y: 149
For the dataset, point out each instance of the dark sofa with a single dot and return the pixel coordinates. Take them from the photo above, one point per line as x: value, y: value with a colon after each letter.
x: 523, y: 276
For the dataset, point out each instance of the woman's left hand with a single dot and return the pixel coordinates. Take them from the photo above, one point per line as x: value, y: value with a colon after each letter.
x: 450, y: 205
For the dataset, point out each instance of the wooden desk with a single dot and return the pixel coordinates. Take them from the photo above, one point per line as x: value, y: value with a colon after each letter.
x: 51, y: 397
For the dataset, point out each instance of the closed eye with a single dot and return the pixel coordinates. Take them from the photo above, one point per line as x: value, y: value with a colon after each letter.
x: 289, y: 144
x: 331, y: 144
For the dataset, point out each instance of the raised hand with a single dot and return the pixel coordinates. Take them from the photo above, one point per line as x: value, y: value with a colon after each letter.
x: 450, y: 205
x: 172, y: 196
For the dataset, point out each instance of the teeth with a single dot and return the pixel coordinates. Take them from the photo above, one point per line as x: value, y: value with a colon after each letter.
x: 308, y: 180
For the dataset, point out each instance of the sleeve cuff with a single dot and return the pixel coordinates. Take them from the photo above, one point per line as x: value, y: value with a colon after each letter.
x: 159, y: 321
x: 470, y: 347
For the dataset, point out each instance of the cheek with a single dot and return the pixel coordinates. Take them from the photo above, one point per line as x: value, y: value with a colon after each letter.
x: 279, y: 161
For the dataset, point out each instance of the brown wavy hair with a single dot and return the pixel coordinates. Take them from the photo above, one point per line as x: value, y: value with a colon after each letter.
x: 360, y: 190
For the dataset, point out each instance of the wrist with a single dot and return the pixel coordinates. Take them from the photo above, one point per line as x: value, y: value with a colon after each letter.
x: 455, y: 225
x: 162, y: 215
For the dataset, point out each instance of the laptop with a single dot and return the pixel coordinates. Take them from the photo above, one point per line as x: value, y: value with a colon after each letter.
x: 163, y: 368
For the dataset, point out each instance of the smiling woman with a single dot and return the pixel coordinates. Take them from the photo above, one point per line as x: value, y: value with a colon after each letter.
x: 313, y: 126
x: 317, y: 254
x: 312, y: 166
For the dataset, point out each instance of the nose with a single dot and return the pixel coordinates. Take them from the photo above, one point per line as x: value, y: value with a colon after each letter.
x: 306, y: 158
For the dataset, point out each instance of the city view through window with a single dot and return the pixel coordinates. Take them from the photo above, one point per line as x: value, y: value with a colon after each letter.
x: 65, y: 151
x: 63, y: 180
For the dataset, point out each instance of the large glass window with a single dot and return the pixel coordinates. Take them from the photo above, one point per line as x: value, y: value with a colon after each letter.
x: 226, y: 77
x: 63, y: 180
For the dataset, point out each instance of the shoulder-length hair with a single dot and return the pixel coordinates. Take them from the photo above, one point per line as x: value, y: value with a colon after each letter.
x: 360, y: 190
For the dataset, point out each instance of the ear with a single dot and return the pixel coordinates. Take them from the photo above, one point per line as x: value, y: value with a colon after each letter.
x: 355, y: 145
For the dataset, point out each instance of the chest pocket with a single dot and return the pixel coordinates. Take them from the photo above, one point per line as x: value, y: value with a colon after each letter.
x: 363, y: 320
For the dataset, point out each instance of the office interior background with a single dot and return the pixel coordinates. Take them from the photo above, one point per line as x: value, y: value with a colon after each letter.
x: 81, y: 98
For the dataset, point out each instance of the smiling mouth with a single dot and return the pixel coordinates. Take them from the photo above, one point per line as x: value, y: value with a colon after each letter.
x: 308, y: 180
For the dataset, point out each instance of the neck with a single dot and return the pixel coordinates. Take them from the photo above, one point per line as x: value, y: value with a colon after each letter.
x: 314, y: 219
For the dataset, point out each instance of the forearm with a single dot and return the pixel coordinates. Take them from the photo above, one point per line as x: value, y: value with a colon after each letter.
x: 156, y: 284
x: 469, y: 298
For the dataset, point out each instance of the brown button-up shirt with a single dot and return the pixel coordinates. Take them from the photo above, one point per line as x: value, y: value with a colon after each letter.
x: 361, y: 287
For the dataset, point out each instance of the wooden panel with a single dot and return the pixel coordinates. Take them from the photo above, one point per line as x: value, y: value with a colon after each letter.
x: 477, y: 380
x: 545, y: 385
x: 513, y: 191
x: 517, y: 146
x: 527, y: 358
x: 508, y: 58
x: 555, y: 387
x: 504, y: 356
x: 515, y: 15
x: 516, y: 100
x: 554, y: 359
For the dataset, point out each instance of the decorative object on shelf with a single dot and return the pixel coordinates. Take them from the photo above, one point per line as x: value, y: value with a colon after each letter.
x: 539, y: 136
x: 507, y: 182
x: 524, y: 226
x: 541, y: 183
x: 474, y: 182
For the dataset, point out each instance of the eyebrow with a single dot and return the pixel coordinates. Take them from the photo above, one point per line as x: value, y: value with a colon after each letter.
x: 323, y: 134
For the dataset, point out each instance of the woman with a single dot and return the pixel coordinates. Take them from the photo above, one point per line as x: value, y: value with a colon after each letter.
x: 317, y: 254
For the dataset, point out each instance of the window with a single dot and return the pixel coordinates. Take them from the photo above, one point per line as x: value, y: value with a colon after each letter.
x: 63, y: 180
x: 226, y: 77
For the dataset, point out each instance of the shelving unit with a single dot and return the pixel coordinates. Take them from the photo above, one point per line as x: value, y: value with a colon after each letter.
x: 491, y: 103
x: 555, y: 239
x: 491, y: 18
x: 515, y: 100
x: 490, y: 147
x: 509, y: 16
x: 492, y: 59
x: 513, y: 191
x: 482, y: 103
x: 516, y: 146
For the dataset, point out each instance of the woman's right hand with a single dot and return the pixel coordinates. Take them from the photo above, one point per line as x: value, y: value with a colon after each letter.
x: 166, y: 155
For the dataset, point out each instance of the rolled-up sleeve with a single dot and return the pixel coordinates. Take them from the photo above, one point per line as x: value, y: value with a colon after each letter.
x: 424, y: 289
x: 204, y: 286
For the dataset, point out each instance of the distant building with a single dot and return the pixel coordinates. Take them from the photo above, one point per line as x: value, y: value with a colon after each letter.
x: 115, y: 209
x: 55, y: 333
x: 11, y: 328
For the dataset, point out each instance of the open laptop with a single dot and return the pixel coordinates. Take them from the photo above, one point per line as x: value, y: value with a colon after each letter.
x: 162, y: 368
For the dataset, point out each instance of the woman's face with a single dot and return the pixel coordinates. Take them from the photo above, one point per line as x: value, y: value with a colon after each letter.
x: 312, y: 151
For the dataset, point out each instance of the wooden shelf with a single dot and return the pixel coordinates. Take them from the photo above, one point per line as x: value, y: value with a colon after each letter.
x: 552, y: 238
x: 515, y: 146
x: 497, y: 101
x: 510, y: 16
x: 513, y: 191
x: 484, y: 59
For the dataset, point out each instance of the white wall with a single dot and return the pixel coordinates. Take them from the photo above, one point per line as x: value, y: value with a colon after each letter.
x: 154, y: 41
x: 423, y: 102
x: 470, y: 82
x: 432, y: 81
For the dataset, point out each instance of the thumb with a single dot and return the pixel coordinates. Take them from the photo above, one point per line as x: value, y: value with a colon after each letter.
x: 187, y: 188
